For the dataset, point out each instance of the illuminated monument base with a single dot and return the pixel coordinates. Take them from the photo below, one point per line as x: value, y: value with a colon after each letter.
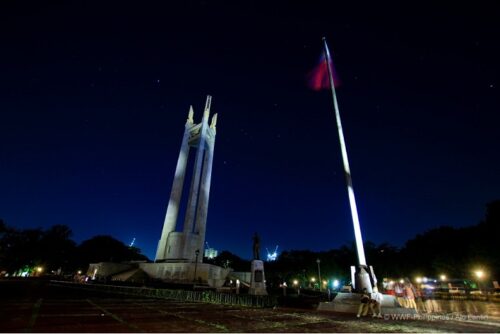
x: 177, y: 273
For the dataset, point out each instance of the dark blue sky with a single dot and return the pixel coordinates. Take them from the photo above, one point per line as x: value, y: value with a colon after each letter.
x: 94, y: 97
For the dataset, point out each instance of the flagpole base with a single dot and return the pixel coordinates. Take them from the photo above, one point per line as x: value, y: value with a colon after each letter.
x: 362, y: 279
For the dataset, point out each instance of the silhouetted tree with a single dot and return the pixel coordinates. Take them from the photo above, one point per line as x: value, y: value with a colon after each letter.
x: 104, y: 248
x: 19, y: 248
x: 227, y: 259
x: 57, y: 250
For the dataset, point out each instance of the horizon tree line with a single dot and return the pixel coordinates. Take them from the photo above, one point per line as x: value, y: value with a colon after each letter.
x: 455, y: 252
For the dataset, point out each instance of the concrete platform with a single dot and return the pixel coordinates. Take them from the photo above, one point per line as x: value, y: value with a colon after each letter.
x: 349, y: 303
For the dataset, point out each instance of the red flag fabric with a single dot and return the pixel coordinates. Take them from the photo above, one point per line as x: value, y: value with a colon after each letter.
x: 318, y: 79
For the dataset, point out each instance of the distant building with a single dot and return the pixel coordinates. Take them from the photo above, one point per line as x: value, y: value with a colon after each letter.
x: 211, y: 253
x: 272, y: 256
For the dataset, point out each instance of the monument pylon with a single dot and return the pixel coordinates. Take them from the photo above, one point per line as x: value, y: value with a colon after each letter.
x: 186, y: 245
x: 179, y: 256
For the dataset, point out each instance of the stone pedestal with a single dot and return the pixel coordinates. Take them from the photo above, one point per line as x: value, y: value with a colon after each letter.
x: 258, y: 280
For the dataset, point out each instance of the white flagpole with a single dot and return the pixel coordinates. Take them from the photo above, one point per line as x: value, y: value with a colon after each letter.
x: 347, y: 170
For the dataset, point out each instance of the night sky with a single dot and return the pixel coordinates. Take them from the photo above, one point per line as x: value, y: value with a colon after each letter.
x: 94, y: 98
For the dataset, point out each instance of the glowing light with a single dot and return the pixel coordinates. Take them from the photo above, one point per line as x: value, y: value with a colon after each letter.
x: 354, y: 211
x: 401, y: 281
x: 336, y: 283
x: 79, y: 272
x: 272, y: 256
x: 210, y: 253
x: 424, y: 279
x: 313, y: 279
x: 324, y: 282
x: 479, y: 273
x: 295, y: 282
x: 419, y: 279
x: 39, y: 269
x: 391, y: 282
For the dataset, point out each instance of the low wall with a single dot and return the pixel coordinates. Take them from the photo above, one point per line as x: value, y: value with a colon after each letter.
x: 349, y: 303
x: 211, y: 297
x: 174, y: 272
x: 210, y: 274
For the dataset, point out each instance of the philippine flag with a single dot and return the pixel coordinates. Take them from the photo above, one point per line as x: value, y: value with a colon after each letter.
x: 318, y: 79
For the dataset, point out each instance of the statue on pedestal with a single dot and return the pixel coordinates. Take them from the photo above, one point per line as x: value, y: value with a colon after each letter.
x: 257, y: 280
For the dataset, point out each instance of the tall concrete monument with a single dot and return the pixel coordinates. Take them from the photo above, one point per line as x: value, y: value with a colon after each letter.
x: 179, y: 256
x: 186, y: 246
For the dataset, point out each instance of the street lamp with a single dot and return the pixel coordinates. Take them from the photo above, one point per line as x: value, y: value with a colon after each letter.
x: 296, y: 285
x: 443, y: 277
x: 197, y: 252
x: 479, y: 274
x: 318, y: 261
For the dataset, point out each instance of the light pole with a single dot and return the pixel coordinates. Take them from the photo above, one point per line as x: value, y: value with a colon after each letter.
x: 479, y: 275
x: 197, y: 252
x: 318, y: 261
x: 296, y: 285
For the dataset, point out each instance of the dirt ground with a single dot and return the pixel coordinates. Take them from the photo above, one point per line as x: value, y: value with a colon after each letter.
x: 43, y: 308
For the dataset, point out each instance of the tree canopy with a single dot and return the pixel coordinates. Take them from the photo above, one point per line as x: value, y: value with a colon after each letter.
x: 456, y: 252
x: 55, y: 251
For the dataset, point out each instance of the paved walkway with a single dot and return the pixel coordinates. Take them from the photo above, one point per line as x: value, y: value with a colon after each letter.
x: 59, y: 309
